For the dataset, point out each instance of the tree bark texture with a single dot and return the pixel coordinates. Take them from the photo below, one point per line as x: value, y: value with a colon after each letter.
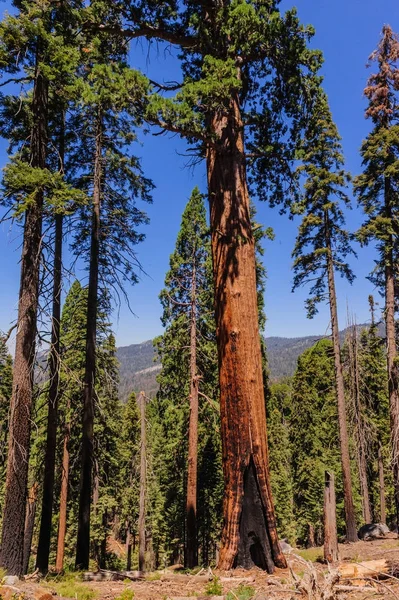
x: 393, y: 379
x: 350, y: 519
x: 43, y: 548
x: 330, y: 520
x: 11, y: 557
x: 31, y: 504
x: 191, y: 501
x: 83, y: 539
x: 59, y: 564
x: 381, y: 480
x: 249, y: 533
x: 361, y: 444
x: 143, y: 483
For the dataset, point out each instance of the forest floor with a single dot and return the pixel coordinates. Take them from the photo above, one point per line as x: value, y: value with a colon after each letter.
x: 306, y: 577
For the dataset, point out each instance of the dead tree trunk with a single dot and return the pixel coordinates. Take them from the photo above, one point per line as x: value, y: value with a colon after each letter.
x: 350, y: 519
x: 83, y: 539
x: 191, y: 559
x: 11, y: 557
x: 381, y: 480
x: 361, y: 444
x: 249, y: 534
x: 393, y: 380
x: 30, y: 515
x: 330, y: 520
x: 128, y: 548
x: 59, y: 564
x: 43, y: 548
x: 143, y: 483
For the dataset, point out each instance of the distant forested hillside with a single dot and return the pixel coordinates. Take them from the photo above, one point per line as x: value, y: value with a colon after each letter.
x: 139, y: 368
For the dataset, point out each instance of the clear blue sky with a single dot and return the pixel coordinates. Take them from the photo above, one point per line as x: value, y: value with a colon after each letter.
x: 347, y: 31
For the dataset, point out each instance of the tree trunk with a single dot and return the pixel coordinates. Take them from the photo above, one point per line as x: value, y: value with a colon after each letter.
x: 350, y: 519
x: 393, y: 380
x: 361, y: 445
x: 11, y: 557
x: 59, y: 564
x: 143, y: 484
x: 83, y: 539
x: 381, y: 479
x: 30, y: 515
x: 249, y: 534
x: 128, y: 548
x: 43, y: 549
x: 191, y: 502
x: 330, y: 520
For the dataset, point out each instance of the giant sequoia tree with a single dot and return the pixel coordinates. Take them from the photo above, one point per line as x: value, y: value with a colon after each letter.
x: 320, y: 251
x: 236, y: 54
x: 377, y: 191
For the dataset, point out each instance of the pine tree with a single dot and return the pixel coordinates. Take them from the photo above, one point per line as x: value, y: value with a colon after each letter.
x: 376, y: 189
x: 321, y: 249
x: 5, y: 398
x: 314, y: 439
x: 105, y: 116
x: 236, y: 55
x: 187, y: 352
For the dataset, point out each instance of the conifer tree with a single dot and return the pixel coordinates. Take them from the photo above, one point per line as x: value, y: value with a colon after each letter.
x: 105, y: 116
x: 314, y: 439
x: 320, y: 251
x: 28, y: 51
x: 5, y: 398
x: 247, y: 73
x: 187, y: 352
x: 376, y: 189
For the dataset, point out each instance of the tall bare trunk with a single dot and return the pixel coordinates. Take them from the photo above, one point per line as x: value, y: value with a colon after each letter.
x: 11, y: 557
x: 30, y: 515
x: 249, y: 534
x: 191, y: 502
x: 330, y: 520
x: 143, y: 483
x: 43, y: 549
x: 350, y: 519
x: 128, y: 547
x: 393, y: 380
x: 361, y: 443
x: 83, y: 539
x: 381, y: 480
x: 59, y: 564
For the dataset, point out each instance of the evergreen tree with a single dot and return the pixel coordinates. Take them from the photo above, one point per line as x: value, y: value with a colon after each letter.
x: 377, y: 190
x: 5, y: 398
x: 187, y: 352
x: 314, y: 439
x: 236, y: 55
x: 105, y: 116
x: 321, y: 249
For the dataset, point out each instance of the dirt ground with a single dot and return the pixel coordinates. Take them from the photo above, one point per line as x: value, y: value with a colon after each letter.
x: 283, y: 584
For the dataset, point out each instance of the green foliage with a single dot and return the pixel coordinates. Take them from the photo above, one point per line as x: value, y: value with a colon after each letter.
x: 70, y: 586
x: 127, y: 594
x: 377, y: 187
x: 321, y: 236
x: 169, y: 412
x: 243, y: 592
x: 314, y: 438
x: 214, y: 587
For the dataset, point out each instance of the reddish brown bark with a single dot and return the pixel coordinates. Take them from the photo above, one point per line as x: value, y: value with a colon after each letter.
x: 143, y: 483
x: 83, y: 539
x: 11, y: 557
x: 249, y: 533
x: 31, y: 504
x: 59, y: 564
x: 191, y: 558
x: 350, y: 519
x: 330, y: 520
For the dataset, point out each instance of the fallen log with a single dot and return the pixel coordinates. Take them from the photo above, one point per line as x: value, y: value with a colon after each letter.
x: 106, y: 575
x: 376, y: 569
